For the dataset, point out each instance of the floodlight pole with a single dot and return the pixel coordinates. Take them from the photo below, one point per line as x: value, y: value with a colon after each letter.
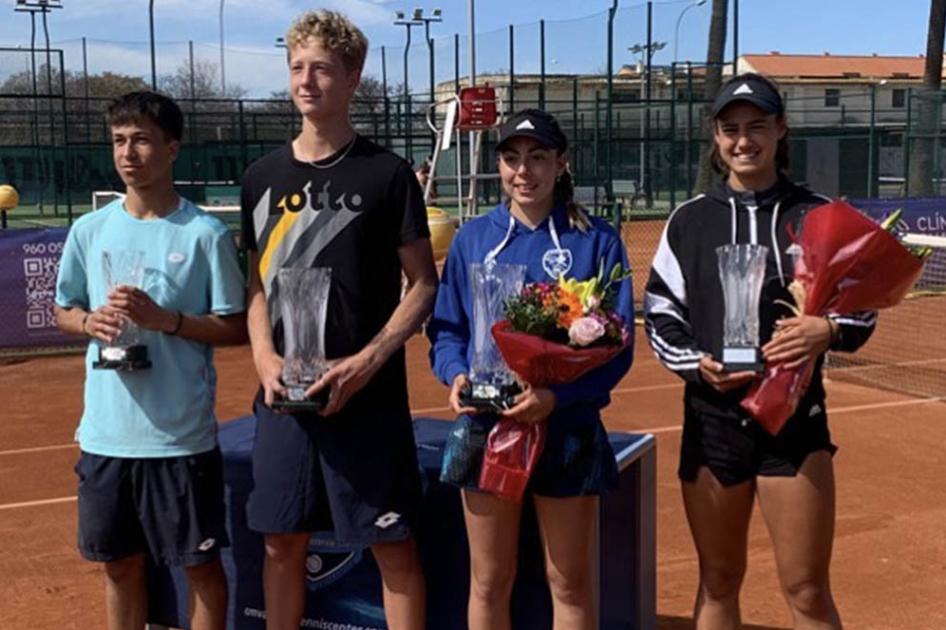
x: 223, y: 71
x: 407, y: 23
x: 472, y: 43
x: 676, y: 35
x: 33, y: 7
x: 154, y: 68
x: 427, y: 19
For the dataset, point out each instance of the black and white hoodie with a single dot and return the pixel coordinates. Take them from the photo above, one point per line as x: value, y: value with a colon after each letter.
x: 683, y: 302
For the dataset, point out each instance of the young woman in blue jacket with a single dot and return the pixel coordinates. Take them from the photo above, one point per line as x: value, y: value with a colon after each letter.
x: 540, y: 226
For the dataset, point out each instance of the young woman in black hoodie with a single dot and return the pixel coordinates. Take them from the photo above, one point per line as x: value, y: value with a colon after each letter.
x: 726, y: 457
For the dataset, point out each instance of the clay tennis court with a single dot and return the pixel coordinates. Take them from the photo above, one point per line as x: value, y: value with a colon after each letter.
x: 890, y: 554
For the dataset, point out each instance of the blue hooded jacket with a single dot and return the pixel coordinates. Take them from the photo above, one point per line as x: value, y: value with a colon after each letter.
x: 451, y: 328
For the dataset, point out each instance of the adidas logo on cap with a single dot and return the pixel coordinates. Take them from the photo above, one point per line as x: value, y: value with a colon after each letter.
x: 525, y: 124
x: 743, y: 89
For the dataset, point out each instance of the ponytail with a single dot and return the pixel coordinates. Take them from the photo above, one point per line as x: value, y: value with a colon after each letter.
x: 564, y: 192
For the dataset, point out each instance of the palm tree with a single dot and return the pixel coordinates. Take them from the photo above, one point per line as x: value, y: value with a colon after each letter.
x: 713, y: 81
x: 929, y: 101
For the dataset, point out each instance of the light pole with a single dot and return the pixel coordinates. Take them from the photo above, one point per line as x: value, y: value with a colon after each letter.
x: 223, y: 70
x: 33, y: 7
x: 414, y: 20
x: 435, y: 16
x: 154, y: 68
x: 646, y: 52
x: 407, y: 23
x: 676, y: 36
x: 472, y: 49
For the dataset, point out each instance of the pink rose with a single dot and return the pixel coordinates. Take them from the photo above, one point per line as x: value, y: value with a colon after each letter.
x: 584, y: 331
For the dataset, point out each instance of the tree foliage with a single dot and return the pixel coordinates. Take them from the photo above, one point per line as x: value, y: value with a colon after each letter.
x: 714, y: 79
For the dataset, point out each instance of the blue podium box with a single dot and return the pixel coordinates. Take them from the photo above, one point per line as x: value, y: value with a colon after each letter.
x: 344, y: 586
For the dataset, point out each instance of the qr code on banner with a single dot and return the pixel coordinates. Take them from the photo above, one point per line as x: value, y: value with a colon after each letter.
x: 40, y: 274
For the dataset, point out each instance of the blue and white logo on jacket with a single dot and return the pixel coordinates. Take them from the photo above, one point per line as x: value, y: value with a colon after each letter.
x: 557, y: 262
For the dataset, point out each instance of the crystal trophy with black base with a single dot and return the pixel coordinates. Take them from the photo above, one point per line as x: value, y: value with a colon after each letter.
x: 492, y: 385
x: 742, y: 272
x: 125, y: 352
x: 303, y: 304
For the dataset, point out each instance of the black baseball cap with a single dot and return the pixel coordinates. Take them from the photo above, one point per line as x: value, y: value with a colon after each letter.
x: 537, y: 124
x: 751, y: 89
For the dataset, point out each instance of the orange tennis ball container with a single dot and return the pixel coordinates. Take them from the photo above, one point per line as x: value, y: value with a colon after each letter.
x: 442, y: 229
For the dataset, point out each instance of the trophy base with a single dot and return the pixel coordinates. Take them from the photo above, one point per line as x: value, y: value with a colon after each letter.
x: 123, y: 359
x: 486, y: 397
x: 297, y: 402
x: 743, y: 359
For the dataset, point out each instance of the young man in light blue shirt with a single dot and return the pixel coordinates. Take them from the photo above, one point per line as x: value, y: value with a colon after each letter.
x: 150, y: 471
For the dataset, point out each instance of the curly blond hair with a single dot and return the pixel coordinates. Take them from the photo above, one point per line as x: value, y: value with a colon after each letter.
x: 335, y: 32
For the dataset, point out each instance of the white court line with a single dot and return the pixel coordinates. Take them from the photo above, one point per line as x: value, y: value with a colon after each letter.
x: 39, y: 449
x: 665, y: 429
x: 13, y: 506
x: 831, y: 412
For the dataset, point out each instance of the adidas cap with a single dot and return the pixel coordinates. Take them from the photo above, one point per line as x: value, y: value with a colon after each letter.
x: 536, y: 124
x: 751, y: 90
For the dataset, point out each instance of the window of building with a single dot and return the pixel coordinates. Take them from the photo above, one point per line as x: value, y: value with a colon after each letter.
x: 891, y: 140
x: 832, y: 97
x: 624, y: 97
x: 899, y: 98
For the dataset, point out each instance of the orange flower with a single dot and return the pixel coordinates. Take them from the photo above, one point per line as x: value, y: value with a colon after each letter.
x: 569, y: 309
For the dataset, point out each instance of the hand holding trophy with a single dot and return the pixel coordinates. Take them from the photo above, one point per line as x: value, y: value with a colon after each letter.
x: 124, y: 352
x: 303, y: 304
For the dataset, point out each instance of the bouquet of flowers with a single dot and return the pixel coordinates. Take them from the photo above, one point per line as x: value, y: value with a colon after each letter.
x: 845, y: 262
x: 553, y: 333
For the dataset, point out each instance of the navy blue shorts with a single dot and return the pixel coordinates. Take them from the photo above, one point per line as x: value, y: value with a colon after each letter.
x: 737, y: 451
x: 169, y: 507
x: 354, y: 473
x: 576, y: 461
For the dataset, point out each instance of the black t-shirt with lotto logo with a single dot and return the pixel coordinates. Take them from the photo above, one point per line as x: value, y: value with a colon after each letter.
x: 350, y: 212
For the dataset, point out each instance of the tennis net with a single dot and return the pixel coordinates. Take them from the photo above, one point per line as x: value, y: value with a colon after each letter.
x: 907, y: 352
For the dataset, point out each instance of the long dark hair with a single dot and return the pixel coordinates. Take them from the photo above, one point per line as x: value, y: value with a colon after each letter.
x: 564, y: 192
x: 782, y: 149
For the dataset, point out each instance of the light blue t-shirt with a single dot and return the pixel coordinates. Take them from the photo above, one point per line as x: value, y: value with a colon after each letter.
x: 191, y: 266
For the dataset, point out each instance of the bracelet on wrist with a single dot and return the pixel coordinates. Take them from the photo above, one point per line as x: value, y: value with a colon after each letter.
x: 85, y: 318
x: 177, y: 326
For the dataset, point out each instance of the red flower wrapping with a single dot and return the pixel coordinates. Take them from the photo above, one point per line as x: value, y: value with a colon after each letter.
x: 512, y: 451
x: 513, y: 448
x: 848, y: 263
x: 541, y: 363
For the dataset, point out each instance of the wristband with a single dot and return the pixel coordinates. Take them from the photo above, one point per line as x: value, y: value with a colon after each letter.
x: 180, y: 322
x: 84, y: 320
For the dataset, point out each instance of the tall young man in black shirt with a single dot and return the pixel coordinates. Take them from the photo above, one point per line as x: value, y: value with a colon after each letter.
x: 334, y: 199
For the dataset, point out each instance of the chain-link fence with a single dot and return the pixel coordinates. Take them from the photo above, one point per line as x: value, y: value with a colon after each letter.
x: 619, y: 81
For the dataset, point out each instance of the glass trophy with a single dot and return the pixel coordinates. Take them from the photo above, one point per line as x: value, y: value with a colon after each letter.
x: 124, y: 353
x: 741, y: 272
x: 303, y: 304
x: 492, y: 385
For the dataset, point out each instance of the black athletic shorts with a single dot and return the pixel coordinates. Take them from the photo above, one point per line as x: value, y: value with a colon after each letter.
x: 739, y: 450
x: 354, y: 473
x: 169, y: 507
